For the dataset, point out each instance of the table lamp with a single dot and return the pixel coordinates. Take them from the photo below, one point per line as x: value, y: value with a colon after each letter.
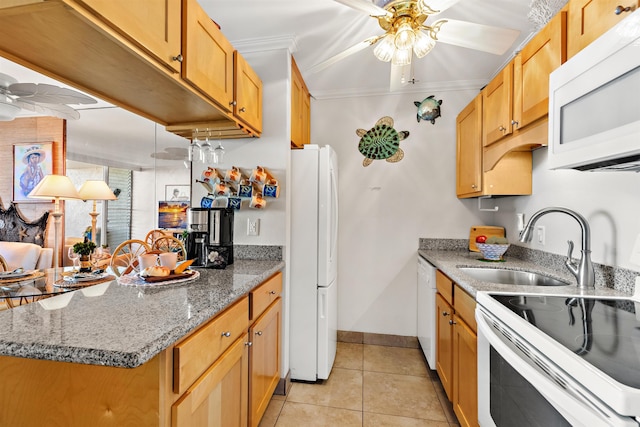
x: 56, y: 187
x: 95, y: 190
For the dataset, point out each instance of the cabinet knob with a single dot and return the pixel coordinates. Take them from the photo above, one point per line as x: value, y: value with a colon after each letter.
x: 473, y: 186
x: 272, y: 292
x: 242, y: 110
x: 259, y: 333
x: 226, y: 334
x: 515, y: 123
x: 452, y: 322
x: 502, y: 128
x: 444, y: 313
x: 178, y: 57
x: 232, y: 104
x: 248, y: 344
x: 621, y: 9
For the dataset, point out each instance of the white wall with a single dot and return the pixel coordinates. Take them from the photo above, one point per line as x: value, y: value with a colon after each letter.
x: 610, y: 202
x: 386, y: 207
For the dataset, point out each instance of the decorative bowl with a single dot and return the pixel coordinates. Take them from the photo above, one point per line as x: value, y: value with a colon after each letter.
x: 492, y: 252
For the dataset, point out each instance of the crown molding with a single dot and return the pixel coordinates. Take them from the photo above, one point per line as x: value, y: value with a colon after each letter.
x: 410, y: 88
x: 287, y: 41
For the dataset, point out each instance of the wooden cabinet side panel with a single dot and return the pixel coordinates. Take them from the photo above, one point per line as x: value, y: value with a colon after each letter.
x: 208, y: 56
x: 155, y: 25
x: 465, y: 374
x: 48, y: 393
x: 297, y: 94
x: 264, y: 367
x: 218, y: 398
x: 512, y: 175
x: 469, y: 149
x: 444, y: 348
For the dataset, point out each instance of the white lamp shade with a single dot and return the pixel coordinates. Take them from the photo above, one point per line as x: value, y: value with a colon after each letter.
x: 54, y: 187
x: 96, y: 190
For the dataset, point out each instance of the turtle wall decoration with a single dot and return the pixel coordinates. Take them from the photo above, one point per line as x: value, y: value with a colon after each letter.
x: 428, y: 109
x: 381, y: 142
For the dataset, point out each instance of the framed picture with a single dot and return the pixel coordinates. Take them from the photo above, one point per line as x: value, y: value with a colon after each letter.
x: 172, y: 214
x: 31, y: 162
x: 177, y: 192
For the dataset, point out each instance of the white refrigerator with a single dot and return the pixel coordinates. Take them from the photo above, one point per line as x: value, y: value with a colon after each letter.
x: 313, y: 258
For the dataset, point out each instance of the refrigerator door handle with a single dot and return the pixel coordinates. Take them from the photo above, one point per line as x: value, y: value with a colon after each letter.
x: 334, y: 215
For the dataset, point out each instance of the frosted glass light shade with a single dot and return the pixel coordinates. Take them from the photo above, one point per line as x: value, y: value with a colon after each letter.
x: 405, y: 36
x: 96, y: 190
x: 423, y: 44
x: 384, y: 48
x: 54, y: 187
x: 402, y: 57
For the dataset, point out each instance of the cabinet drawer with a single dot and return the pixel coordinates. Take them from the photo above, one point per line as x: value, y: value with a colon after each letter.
x: 194, y: 355
x: 465, y: 307
x: 444, y: 286
x: 261, y: 297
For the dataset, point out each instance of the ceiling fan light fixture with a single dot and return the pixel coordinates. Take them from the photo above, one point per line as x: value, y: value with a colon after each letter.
x: 402, y: 57
x: 423, y: 44
x: 8, y: 111
x: 385, y: 48
x: 405, y: 36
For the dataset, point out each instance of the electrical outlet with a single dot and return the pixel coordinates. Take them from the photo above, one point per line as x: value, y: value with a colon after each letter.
x: 520, y: 220
x: 253, y: 227
x: 540, y: 234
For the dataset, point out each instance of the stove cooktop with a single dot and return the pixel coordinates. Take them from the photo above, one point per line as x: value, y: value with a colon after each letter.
x: 603, y: 332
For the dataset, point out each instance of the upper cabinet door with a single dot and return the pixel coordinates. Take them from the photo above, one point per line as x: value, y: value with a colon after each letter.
x: 153, y: 25
x: 543, y: 54
x: 248, y: 105
x: 207, y: 56
x: 497, y: 99
x: 589, y: 19
x: 469, y: 149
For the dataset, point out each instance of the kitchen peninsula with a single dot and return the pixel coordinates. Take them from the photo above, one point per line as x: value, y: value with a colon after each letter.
x: 137, y: 353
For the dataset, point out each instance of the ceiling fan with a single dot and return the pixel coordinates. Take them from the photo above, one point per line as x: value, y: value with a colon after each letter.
x: 406, y: 33
x: 40, y: 98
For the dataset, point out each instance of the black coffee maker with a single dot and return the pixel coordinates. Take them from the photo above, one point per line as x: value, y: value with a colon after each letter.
x: 209, y: 230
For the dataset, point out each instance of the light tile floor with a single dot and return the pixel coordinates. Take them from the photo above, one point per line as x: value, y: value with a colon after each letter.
x: 369, y: 386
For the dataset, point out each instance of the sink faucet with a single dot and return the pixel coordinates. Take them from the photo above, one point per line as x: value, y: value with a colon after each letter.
x: 583, y: 271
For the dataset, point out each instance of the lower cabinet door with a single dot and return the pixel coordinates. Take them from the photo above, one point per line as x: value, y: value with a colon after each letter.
x: 465, y: 374
x: 219, y: 397
x: 264, y: 366
x: 444, y: 347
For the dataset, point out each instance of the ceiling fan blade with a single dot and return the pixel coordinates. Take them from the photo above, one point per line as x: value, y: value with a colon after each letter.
x: 438, y: 6
x: 400, y: 76
x: 56, y: 110
x: 349, y: 51
x: 365, y: 6
x: 49, y: 94
x: 481, y: 37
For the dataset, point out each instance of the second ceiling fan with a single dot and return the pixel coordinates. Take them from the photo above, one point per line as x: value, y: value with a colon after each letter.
x: 407, y: 33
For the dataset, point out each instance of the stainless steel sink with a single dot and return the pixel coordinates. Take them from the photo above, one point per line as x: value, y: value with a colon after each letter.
x: 511, y: 277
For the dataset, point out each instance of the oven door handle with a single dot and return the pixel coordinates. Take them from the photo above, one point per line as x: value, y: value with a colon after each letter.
x: 570, y: 399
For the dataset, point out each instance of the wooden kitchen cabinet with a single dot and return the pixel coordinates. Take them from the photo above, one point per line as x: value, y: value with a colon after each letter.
x: 265, y: 357
x: 497, y: 101
x: 207, y: 56
x: 456, y: 362
x: 247, y: 104
x: 511, y: 176
x: 589, y: 19
x: 154, y: 25
x: 300, y: 109
x: 219, y: 396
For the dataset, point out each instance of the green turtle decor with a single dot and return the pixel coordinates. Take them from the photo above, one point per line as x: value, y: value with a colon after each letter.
x: 381, y: 142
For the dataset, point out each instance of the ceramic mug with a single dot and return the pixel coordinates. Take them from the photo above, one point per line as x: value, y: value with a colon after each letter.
x: 147, y: 260
x: 169, y: 260
x: 257, y: 201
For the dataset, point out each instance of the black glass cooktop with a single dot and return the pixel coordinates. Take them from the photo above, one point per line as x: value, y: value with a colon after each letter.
x: 604, y: 332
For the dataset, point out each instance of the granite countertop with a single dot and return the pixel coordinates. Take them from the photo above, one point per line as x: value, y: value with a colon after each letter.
x: 125, y: 326
x: 449, y: 261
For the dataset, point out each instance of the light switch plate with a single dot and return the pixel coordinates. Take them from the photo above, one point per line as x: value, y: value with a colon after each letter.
x: 253, y: 227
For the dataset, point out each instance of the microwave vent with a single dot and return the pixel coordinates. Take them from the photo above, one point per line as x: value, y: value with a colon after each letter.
x: 622, y: 164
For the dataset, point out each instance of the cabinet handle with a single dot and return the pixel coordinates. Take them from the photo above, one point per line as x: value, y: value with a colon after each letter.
x: 248, y: 344
x: 515, y: 123
x: 259, y: 333
x: 452, y: 322
x: 502, y: 128
x: 226, y: 334
x: 621, y: 9
x: 232, y: 103
x: 272, y: 292
x: 444, y: 313
x: 242, y: 110
x: 473, y: 186
x: 178, y: 57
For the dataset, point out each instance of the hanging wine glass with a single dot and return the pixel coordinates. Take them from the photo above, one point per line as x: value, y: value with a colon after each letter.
x: 205, y: 150
x: 218, y: 153
x: 196, y: 148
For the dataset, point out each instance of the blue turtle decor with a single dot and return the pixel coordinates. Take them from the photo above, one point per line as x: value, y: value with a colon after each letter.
x: 428, y: 109
x: 381, y: 142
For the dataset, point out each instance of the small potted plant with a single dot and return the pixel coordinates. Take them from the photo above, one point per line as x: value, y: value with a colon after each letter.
x: 84, y: 249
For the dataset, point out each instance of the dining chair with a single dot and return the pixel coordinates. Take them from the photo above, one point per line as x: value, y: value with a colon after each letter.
x: 124, y: 259
x: 170, y: 244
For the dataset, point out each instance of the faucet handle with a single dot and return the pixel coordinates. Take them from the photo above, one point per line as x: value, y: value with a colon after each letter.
x: 570, y: 251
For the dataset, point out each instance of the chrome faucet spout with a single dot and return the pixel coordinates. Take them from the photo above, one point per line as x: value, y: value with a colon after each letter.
x: 583, y: 271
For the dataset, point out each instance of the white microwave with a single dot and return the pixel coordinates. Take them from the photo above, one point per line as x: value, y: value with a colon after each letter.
x: 594, y: 104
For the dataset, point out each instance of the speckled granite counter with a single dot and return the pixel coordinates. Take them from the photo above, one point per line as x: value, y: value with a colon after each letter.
x: 124, y: 326
x: 449, y: 259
